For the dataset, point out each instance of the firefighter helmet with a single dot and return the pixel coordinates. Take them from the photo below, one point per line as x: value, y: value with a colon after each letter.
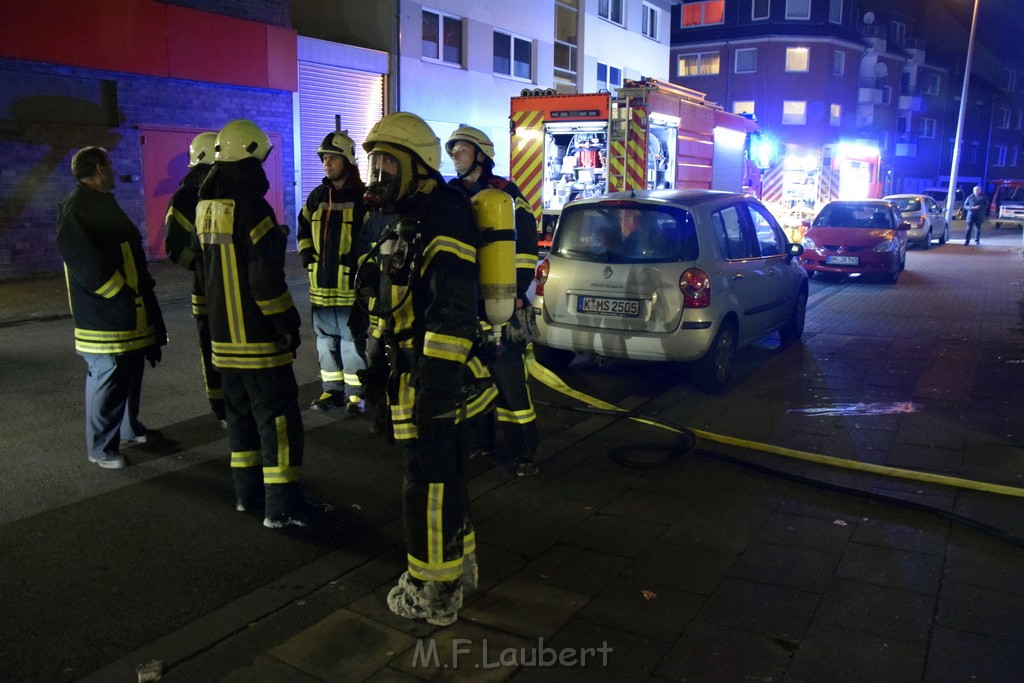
x: 474, y: 136
x: 338, y: 142
x: 242, y: 139
x: 408, y: 131
x: 200, y: 150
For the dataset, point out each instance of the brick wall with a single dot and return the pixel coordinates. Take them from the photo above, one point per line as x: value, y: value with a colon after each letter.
x: 47, y: 113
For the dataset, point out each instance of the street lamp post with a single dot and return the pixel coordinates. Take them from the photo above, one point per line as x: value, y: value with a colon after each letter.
x: 960, y: 119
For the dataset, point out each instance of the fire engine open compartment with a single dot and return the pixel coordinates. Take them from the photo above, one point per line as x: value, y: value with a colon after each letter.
x: 649, y: 135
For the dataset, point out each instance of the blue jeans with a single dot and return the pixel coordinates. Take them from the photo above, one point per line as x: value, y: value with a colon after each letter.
x: 340, y: 357
x: 113, y: 392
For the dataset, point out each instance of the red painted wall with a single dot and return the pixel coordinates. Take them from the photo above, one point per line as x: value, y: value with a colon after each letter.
x: 151, y: 38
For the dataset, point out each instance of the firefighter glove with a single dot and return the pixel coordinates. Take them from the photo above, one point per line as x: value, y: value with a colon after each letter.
x: 308, y: 257
x: 153, y: 355
x: 375, y: 381
x: 522, y: 326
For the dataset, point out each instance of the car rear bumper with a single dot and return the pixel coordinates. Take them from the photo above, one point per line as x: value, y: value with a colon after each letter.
x: 685, y: 344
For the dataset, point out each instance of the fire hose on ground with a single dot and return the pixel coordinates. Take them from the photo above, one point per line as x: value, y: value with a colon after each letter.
x: 691, y: 437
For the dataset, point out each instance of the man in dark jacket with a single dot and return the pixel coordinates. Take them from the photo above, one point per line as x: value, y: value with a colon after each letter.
x: 976, y: 207
x: 118, y: 324
x: 179, y: 227
x: 328, y: 225
x: 254, y: 327
x: 473, y: 155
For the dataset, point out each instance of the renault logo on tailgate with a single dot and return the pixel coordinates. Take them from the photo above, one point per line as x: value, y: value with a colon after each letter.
x: 608, y: 272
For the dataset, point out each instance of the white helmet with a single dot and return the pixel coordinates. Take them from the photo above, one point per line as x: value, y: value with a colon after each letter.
x: 338, y: 142
x: 201, y: 149
x: 242, y: 139
x: 474, y: 136
x: 408, y: 131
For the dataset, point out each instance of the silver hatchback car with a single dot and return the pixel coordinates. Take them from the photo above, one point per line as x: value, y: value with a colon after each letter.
x: 676, y: 275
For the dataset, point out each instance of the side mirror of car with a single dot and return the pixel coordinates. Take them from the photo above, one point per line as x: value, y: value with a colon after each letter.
x: 903, y: 226
x: 793, y: 250
x: 806, y: 223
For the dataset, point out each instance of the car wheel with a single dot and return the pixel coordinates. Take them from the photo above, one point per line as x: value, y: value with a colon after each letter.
x: 712, y: 372
x: 794, y: 328
x: 944, y: 237
x: 927, y: 240
x: 553, y: 359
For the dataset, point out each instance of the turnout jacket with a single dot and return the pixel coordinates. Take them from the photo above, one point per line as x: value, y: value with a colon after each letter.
x: 428, y: 297
x: 110, y: 290
x: 327, y: 226
x: 526, y: 226
x: 180, y: 221
x: 240, y: 280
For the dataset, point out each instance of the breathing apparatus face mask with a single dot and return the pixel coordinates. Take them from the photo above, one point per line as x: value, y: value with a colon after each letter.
x: 391, y: 172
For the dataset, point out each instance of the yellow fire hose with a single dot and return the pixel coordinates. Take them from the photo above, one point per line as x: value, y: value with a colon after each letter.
x: 553, y: 381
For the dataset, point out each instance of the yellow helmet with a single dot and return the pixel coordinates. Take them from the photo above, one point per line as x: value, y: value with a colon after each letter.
x: 474, y: 136
x: 201, y: 149
x: 242, y: 139
x: 338, y: 142
x: 408, y: 131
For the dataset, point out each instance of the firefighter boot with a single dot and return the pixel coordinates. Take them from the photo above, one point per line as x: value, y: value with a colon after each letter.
x: 438, y: 602
x: 248, y: 488
x: 470, y: 573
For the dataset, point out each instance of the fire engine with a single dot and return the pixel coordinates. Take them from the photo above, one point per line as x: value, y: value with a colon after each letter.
x: 649, y: 134
x: 804, y: 180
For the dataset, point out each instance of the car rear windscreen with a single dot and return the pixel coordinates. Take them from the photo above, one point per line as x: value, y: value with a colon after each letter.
x: 906, y: 204
x: 626, y: 232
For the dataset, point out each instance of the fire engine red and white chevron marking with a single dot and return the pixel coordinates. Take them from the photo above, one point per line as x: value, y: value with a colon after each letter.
x: 636, y: 159
x: 771, y: 184
x: 527, y: 156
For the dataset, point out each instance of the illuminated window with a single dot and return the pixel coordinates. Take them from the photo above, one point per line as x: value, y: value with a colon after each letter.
x: 746, y: 60
x: 513, y: 56
x: 835, y: 114
x: 442, y: 37
x: 699, y: 64
x: 610, y: 10
x: 838, y: 63
x: 759, y: 9
x: 794, y: 112
x: 743, y: 107
x: 649, y: 25
x: 797, y: 59
x: 798, y: 9
x: 702, y: 13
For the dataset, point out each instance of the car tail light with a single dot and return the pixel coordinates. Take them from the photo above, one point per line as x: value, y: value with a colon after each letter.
x: 541, y: 277
x: 696, y: 288
x: 921, y: 221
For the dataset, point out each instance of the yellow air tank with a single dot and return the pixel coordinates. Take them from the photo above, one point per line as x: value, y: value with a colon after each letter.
x: 496, y: 258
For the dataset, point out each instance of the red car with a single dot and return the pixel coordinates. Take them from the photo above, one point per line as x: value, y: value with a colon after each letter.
x: 865, y: 236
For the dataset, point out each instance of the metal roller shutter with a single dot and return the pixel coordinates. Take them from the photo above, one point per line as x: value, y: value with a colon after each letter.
x: 329, y: 91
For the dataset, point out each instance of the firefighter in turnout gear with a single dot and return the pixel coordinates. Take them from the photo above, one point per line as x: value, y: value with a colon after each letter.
x: 179, y: 227
x: 427, y: 305
x: 328, y: 224
x: 254, y: 327
x: 473, y: 155
x: 118, y: 324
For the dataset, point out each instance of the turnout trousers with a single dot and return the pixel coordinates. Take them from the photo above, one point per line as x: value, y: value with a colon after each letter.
x: 265, y: 436
x: 339, y: 354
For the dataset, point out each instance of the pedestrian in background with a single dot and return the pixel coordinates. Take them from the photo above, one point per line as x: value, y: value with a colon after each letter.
x: 118, y: 323
x: 472, y: 152
x: 254, y: 327
x: 428, y: 308
x: 179, y: 227
x: 976, y: 207
x: 328, y: 223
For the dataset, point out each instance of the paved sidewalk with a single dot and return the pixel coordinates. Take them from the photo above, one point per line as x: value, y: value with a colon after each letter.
x: 704, y: 569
